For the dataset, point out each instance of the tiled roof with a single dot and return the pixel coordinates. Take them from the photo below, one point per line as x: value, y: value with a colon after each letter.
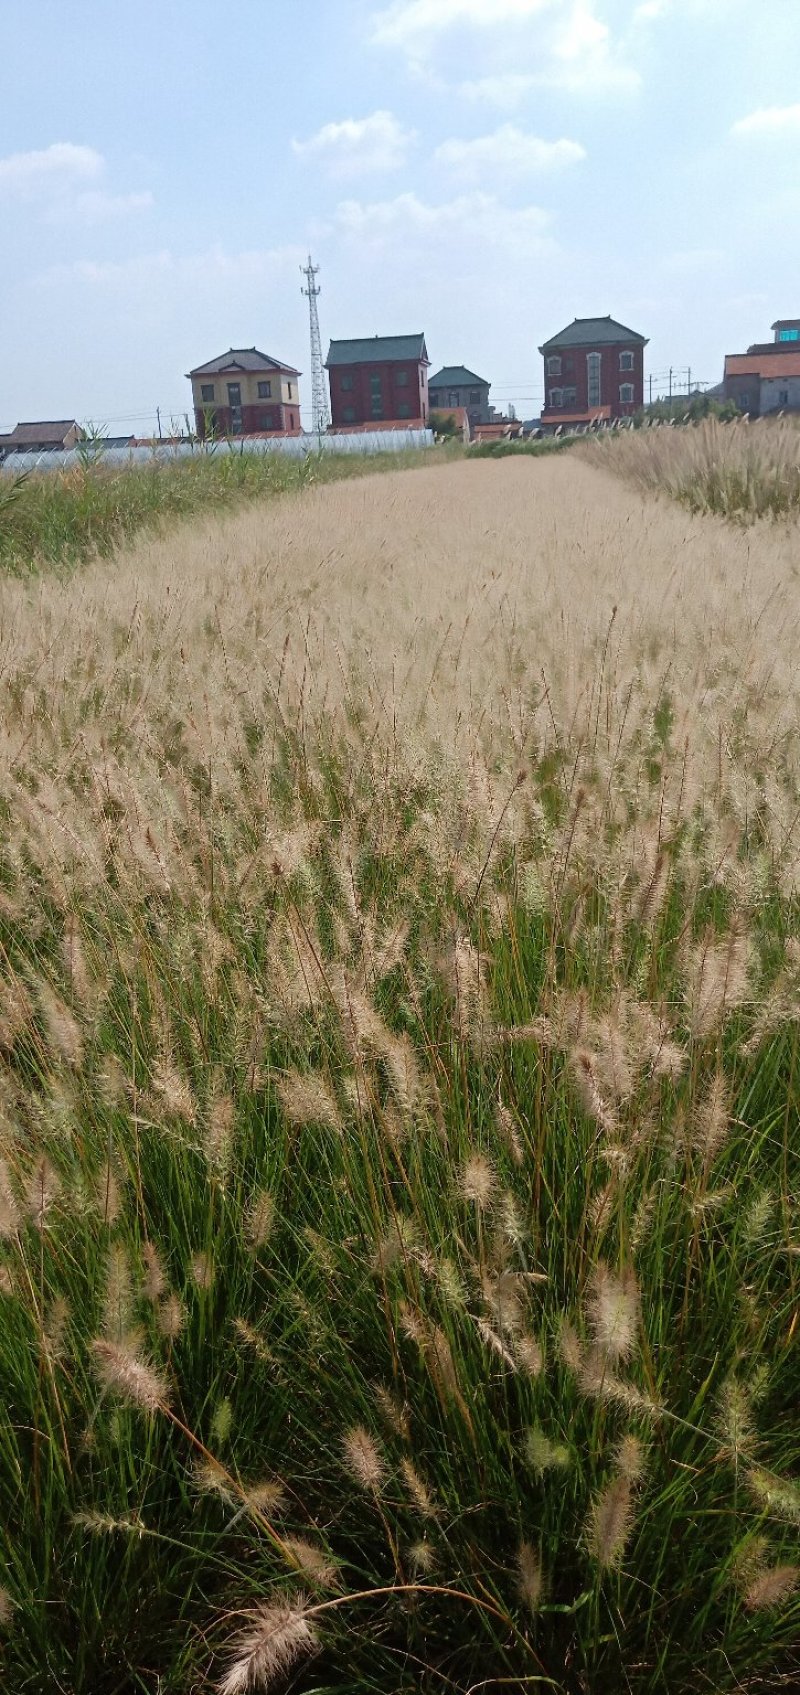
x: 777, y: 364
x: 242, y: 359
x: 377, y: 349
x: 48, y: 429
x: 593, y: 332
x: 456, y: 376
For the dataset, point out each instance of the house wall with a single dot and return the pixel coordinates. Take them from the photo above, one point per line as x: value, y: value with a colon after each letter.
x: 351, y: 391
x: 575, y: 374
x: 745, y: 390
x: 772, y: 391
x: 440, y: 401
x: 280, y: 412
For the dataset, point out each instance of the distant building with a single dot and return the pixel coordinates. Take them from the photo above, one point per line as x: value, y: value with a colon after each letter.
x: 454, y: 387
x: 500, y: 429
x: 593, y: 372
x: 767, y: 377
x: 245, y: 392
x: 46, y: 436
x: 380, y: 379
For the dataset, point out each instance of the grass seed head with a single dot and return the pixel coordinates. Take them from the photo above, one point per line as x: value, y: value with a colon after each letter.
x: 478, y: 1182
x: 306, y: 1098
x: 125, y: 1374
x: 530, y: 1576
x: 363, y: 1459
x: 278, y: 1634
x: 772, y: 1587
x: 154, y: 1281
x: 310, y: 1561
x: 614, y: 1311
x: 610, y: 1523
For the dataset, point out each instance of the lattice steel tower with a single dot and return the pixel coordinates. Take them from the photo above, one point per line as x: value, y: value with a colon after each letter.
x: 319, y: 398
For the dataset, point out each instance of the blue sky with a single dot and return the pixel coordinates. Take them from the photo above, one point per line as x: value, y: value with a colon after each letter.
x: 482, y: 170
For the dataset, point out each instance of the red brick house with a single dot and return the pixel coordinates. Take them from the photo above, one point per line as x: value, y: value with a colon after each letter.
x: 379, y: 379
x: 245, y: 392
x: 593, y: 372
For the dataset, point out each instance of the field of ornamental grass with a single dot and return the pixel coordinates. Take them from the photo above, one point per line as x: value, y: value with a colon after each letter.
x: 92, y: 507
x: 399, y: 1087
x: 738, y: 470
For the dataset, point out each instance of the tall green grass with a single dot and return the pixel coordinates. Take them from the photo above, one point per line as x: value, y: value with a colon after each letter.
x: 375, y: 1250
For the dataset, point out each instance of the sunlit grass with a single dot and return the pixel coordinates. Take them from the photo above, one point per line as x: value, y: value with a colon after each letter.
x: 738, y: 470
x: 399, y: 1001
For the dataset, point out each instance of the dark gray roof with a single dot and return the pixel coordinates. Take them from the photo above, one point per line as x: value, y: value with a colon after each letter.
x: 47, y: 429
x: 376, y: 349
x: 242, y: 359
x: 456, y: 376
x: 593, y: 332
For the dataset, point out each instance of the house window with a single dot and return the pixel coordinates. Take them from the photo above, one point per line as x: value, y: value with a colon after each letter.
x: 593, y: 368
x: 377, y: 407
x: 266, y: 421
x: 626, y: 394
x: 375, y: 382
x: 626, y: 361
x: 234, y: 394
x: 290, y: 396
x: 474, y: 397
x: 404, y: 410
x: 556, y: 397
x: 434, y: 397
x: 789, y: 335
x: 744, y: 400
x: 349, y: 415
x: 554, y: 366
x: 570, y: 396
x: 265, y: 391
x: 206, y: 391
x: 346, y: 383
x: 783, y: 397
x: 454, y: 397
x: 402, y: 379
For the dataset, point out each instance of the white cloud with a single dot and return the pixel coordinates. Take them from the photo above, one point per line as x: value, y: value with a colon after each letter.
x: 769, y: 121
x: 556, y: 44
x: 55, y: 179
x: 470, y: 227
x: 358, y: 145
x: 414, y: 24
x: 94, y: 206
x: 506, y: 90
x: 49, y: 169
x: 204, y: 272
x: 583, y: 57
x: 509, y: 152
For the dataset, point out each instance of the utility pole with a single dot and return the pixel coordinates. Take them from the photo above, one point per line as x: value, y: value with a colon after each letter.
x: 651, y: 388
x: 670, y: 382
x: 158, y: 421
x: 689, y: 381
x: 319, y: 399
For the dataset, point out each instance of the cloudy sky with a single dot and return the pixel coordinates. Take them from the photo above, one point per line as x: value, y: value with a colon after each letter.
x: 482, y: 170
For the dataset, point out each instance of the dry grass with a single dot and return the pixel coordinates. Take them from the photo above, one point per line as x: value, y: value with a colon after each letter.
x: 737, y: 469
x: 399, y: 995
x: 449, y: 610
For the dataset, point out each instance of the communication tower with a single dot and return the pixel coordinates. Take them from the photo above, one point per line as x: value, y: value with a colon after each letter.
x: 319, y: 398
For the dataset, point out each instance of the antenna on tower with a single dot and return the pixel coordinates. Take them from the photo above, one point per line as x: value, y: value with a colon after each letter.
x: 319, y: 398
